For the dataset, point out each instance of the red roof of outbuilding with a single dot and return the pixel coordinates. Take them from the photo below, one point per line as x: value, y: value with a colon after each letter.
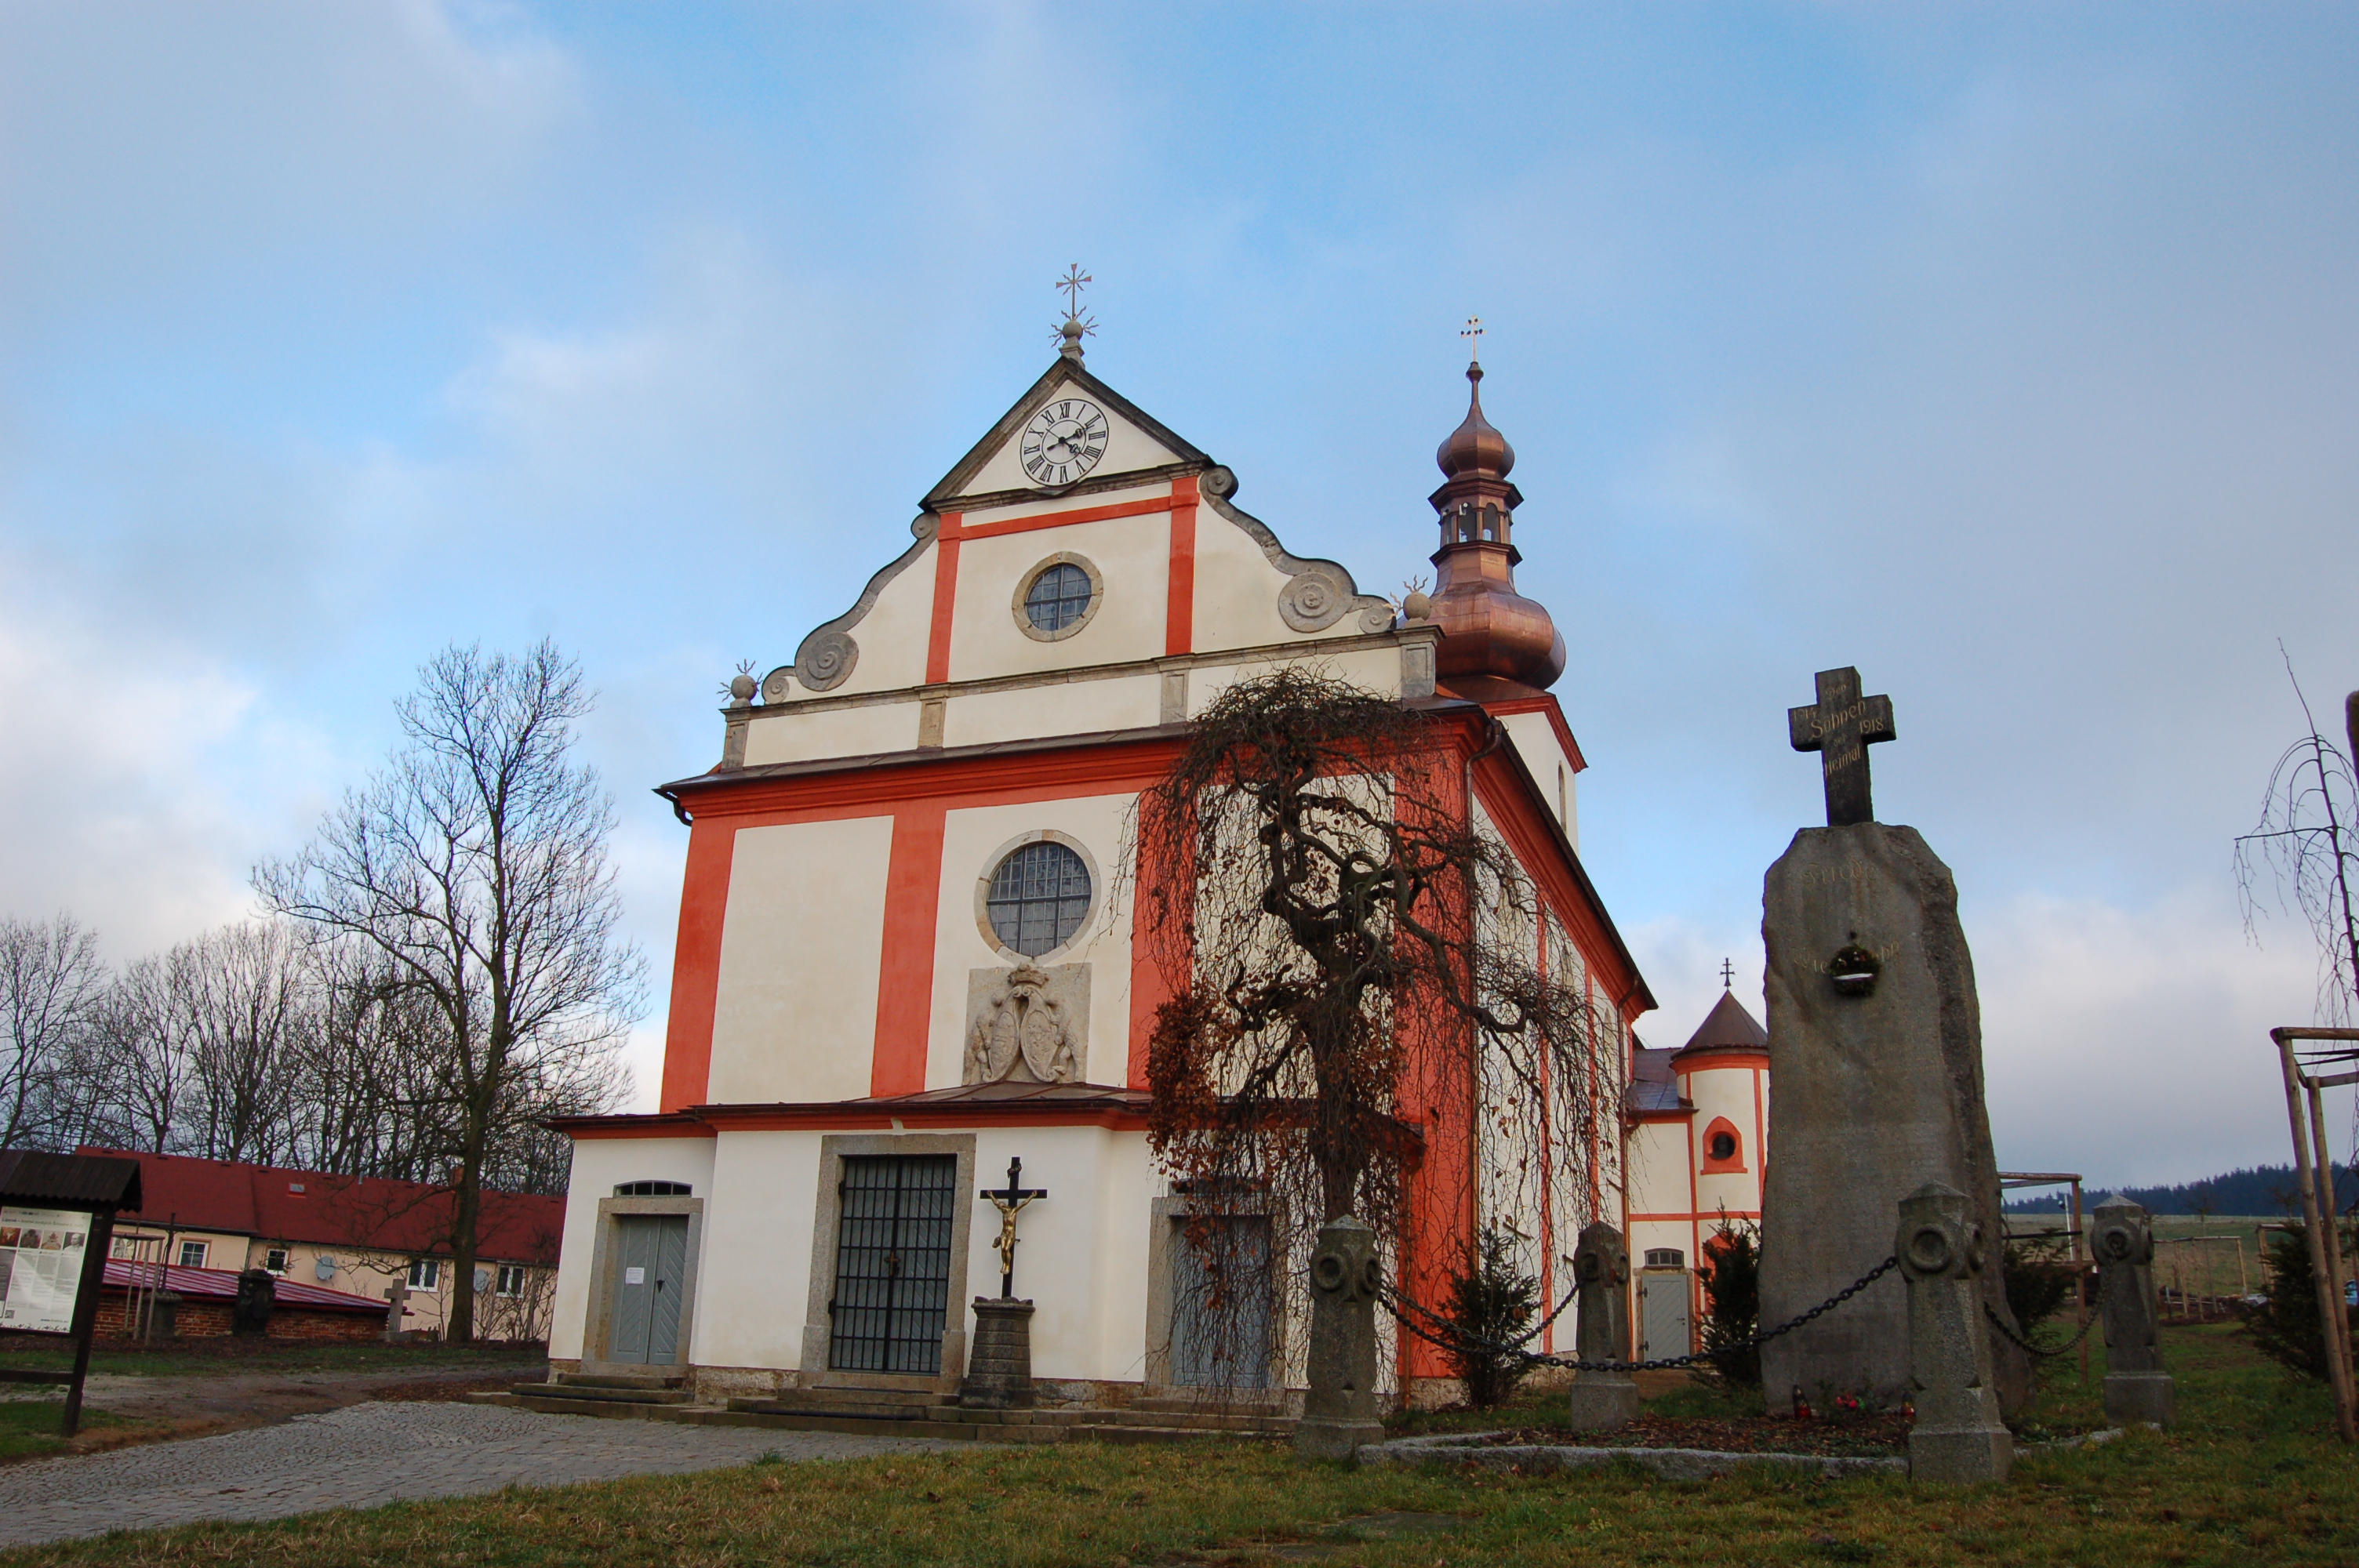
x: 271, y: 1202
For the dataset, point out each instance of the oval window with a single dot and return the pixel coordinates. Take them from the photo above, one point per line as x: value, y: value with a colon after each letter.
x: 1058, y: 598
x: 1722, y: 1146
x: 1040, y: 895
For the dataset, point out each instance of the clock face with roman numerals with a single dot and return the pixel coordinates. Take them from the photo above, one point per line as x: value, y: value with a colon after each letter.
x: 1064, y: 441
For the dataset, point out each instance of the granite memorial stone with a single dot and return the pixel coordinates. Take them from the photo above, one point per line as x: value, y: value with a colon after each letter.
x: 1601, y: 1332
x: 1959, y: 1434
x: 1339, y: 1413
x: 2137, y: 1387
x: 1876, y: 1050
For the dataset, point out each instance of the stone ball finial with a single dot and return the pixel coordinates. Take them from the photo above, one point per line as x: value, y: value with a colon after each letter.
x: 1417, y: 606
x: 742, y: 686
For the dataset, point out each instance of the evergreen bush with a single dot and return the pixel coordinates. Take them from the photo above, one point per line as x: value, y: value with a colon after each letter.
x: 1490, y: 1304
x: 1731, y: 1285
x: 2287, y: 1326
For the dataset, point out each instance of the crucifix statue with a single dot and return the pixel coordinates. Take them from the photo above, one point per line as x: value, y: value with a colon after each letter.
x: 1839, y: 727
x: 1010, y: 1201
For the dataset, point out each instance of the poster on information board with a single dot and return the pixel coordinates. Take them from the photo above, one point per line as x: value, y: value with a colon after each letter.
x: 42, y: 1250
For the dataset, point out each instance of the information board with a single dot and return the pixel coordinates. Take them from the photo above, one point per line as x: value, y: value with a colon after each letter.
x: 43, y: 1250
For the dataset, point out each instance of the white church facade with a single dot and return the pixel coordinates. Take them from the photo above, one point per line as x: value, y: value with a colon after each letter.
x: 908, y: 957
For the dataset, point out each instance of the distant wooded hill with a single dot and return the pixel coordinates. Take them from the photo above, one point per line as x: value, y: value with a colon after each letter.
x: 2265, y: 1190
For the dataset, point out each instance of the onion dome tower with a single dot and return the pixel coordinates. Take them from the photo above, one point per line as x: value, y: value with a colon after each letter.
x: 1489, y: 630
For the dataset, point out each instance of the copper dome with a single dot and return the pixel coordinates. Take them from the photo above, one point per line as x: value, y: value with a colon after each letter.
x: 1475, y: 447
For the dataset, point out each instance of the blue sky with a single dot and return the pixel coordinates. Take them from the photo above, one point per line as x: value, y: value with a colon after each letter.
x: 2006, y: 353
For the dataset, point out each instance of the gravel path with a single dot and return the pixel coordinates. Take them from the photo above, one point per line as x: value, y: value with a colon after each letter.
x: 368, y: 1454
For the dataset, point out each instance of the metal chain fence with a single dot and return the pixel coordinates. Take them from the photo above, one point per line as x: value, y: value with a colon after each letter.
x: 1453, y: 1340
x: 2020, y: 1343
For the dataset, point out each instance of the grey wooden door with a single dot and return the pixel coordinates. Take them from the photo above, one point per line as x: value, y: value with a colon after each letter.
x: 650, y: 1264
x: 1663, y: 1296
x: 1221, y: 1302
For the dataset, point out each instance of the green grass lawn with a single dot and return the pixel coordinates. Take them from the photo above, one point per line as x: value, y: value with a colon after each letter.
x: 2251, y: 1476
x: 230, y: 1353
x: 28, y: 1428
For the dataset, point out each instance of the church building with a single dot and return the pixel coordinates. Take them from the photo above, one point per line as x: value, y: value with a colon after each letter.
x: 910, y: 952
x: 1699, y: 1120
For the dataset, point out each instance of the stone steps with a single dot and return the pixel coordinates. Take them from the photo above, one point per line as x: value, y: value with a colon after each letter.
x: 600, y: 1393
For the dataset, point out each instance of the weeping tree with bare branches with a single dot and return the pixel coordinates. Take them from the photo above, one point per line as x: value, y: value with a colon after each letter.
x: 2306, y: 847
x: 470, y: 877
x: 1349, y: 950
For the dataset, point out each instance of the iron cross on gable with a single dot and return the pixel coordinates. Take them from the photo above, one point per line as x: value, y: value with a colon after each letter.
x: 1841, y: 727
x: 1010, y: 1201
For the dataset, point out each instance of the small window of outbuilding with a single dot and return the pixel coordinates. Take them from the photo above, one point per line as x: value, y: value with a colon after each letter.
x: 192, y: 1254
x: 275, y: 1259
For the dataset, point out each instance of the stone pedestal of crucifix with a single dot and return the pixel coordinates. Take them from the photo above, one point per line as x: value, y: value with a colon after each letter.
x: 1958, y: 1434
x: 1875, y: 1053
x: 1601, y: 1271
x: 2137, y: 1387
x: 1339, y: 1413
x: 999, y: 1360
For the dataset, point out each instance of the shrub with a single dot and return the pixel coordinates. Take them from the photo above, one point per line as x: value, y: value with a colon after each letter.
x: 1490, y: 1304
x: 2287, y: 1328
x: 1732, y: 1284
x: 2038, y: 1282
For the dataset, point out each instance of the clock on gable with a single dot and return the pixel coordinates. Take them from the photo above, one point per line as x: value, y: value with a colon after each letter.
x: 1063, y: 441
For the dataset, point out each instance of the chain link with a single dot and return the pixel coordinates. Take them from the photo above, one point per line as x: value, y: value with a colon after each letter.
x: 1458, y: 1341
x: 2020, y: 1343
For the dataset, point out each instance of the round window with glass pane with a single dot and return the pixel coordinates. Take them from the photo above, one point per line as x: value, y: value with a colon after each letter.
x: 1037, y: 897
x: 1057, y: 597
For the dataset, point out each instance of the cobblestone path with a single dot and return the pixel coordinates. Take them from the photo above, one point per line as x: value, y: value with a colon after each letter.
x: 368, y: 1454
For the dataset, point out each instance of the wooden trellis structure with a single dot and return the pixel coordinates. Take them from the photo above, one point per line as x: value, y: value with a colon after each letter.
x: 2314, y: 1175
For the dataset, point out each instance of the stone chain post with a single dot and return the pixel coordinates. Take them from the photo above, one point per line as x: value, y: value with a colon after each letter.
x: 1600, y: 1273
x: 1339, y: 1414
x: 2137, y: 1387
x: 1958, y: 1435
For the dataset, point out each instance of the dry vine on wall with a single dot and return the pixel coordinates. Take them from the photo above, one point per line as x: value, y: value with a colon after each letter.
x: 1360, y: 1020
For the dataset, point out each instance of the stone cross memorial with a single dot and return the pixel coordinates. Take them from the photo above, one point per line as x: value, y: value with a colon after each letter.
x: 1600, y: 1273
x: 1876, y: 1050
x: 999, y: 1365
x: 2137, y: 1387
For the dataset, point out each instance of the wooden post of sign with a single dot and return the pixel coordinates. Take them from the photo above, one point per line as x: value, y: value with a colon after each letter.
x: 85, y: 1318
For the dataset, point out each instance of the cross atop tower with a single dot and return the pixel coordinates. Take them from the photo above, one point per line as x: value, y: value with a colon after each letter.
x: 1727, y: 975
x: 1076, y: 326
x: 1841, y: 727
x: 1472, y: 333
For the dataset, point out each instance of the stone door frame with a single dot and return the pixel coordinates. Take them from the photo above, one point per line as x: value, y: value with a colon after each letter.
x: 1161, y: 1268
x: 819, y: 1325
x: 597, y: 1338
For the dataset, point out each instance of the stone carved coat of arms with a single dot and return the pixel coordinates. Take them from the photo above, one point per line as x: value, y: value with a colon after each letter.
x: 1028, y: 1024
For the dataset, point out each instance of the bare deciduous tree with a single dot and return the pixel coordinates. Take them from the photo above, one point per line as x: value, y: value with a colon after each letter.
x: 50, y: 985
x: 1353, y: 942
x: 2306, y: 842
x: 474, y: 867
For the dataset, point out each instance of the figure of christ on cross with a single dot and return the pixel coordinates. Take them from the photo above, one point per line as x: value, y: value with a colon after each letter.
x: 1841, y: 727
x: 1010, y: 1201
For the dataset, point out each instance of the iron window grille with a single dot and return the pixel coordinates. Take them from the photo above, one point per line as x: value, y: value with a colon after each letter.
x: 893, y: 1263
x: 1040, y: 895
x: 1058, y: 597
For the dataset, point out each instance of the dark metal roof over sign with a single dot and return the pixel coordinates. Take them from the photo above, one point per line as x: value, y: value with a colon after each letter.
x: 76, y: 1181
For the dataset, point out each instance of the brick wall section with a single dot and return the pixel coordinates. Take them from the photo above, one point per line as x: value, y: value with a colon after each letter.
x: 199, y: 1319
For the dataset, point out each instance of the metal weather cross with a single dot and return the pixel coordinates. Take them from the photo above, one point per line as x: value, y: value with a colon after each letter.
x: 1472, y: 333
x: 1010, y: 1201
x: 1074, y: 328
x: 1840, y: 726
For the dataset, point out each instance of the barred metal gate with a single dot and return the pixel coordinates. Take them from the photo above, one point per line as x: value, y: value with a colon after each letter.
x: 893, y: 1263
